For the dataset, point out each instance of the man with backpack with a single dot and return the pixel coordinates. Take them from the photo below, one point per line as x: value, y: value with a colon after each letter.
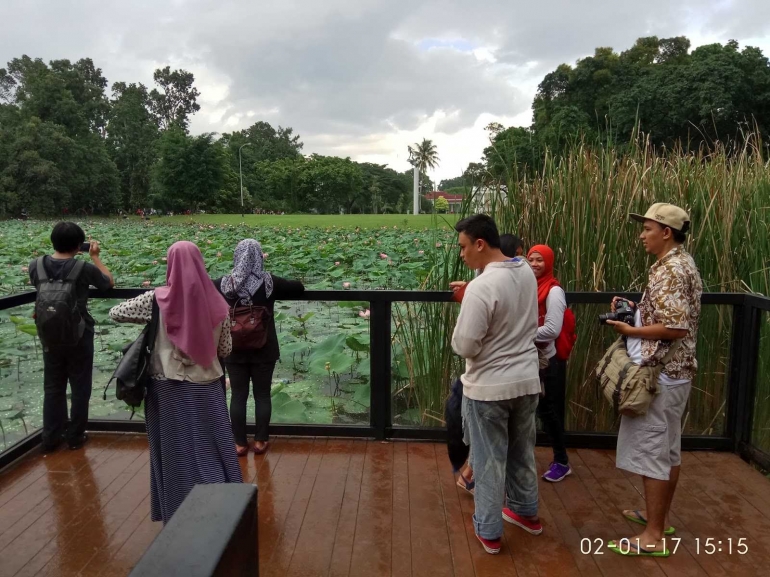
x: 66, y: 330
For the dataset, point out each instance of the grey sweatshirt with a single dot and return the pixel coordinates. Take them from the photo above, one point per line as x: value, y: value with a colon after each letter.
x: 495, y: 333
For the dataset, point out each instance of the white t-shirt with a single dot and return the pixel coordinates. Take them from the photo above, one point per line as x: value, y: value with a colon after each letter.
x: 634, y: 348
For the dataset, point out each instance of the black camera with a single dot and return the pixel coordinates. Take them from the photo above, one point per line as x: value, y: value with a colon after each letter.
x: 623, y: 313
x: 85, y: 247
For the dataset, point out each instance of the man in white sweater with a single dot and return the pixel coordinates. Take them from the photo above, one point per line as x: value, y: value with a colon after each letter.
x: 495, y: 334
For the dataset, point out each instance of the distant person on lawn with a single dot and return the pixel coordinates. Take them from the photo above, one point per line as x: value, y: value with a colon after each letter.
x: 495, y: 334
x: 66, y: 331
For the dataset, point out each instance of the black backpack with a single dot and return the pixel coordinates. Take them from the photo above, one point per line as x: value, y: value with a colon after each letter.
x: 57, y: 315
x: 133, y: 371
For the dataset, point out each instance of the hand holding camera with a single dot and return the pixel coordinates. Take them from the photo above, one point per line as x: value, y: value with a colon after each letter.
x: 92, y: 248
x: 623, y: 311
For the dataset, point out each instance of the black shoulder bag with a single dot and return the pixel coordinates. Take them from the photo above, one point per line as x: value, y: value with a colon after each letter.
x: 133, y: 372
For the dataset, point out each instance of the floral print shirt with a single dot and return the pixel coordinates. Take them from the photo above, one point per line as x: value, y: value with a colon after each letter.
x: 673, y: 298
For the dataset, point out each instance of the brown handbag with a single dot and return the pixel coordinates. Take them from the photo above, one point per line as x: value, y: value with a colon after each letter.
x: 248, y: 326
x: 629, y: 387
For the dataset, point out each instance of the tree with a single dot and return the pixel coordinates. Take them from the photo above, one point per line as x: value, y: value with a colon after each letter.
x: 52, y: 128
x: 424, y: 155
x: 178, y: 99
x: 131, y: 137
x: 441, y: 204
x: 448, y: 183
x: 191, y: 172
x: 382, y: 187
x: 70, y: 95
x: 265, y: 144
x: 47, y: 171
x: 336, y: 183
x: 511, y: 149
x: 657, y: 85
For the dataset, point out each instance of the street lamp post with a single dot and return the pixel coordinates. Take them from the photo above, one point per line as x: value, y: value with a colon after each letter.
x: 240, y: 171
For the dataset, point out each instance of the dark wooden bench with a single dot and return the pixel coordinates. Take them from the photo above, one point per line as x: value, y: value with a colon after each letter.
x: 213, y: 533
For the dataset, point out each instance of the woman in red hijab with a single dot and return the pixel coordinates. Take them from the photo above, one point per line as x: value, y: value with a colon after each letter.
x: 551, y: 304
x: 188, y: 427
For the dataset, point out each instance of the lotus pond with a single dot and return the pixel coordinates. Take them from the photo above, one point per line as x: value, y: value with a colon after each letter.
x: 323, y: 376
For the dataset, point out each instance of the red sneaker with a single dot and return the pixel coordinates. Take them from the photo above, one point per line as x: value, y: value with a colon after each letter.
x: 535, y: 528
x: 490, y: 546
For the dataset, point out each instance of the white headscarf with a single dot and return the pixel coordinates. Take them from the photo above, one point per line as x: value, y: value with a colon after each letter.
x: 248, y: 272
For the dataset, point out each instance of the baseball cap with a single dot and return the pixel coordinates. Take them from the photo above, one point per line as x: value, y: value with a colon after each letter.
x: 666, y: 214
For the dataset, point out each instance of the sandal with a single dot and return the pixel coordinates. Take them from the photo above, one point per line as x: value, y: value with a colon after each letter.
x: 465, y: 484
x: 241, y: 451
x: 634, y: 550
x: 637, y: 517
x: 263, y: 450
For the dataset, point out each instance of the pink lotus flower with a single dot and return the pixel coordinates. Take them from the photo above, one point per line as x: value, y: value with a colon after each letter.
x: 364, y: 314
x: 346, y: 285
x: 219, y: 253
x: 337, y: 263
x: 146, y: 283
x: 417, y: 240
x: 265, y: 255
x: 383, y: 255
x: 155, y: 262
x: 164, y: 259
x: 208, y: 242
x: 420, y: 252
x: 25, y: 269
x: 438, y: 245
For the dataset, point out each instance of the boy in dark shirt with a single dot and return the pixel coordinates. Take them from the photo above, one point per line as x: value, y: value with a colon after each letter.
x: 74, y: 362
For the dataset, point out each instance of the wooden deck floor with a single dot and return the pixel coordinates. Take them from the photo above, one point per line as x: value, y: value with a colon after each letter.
x: 346, y: 507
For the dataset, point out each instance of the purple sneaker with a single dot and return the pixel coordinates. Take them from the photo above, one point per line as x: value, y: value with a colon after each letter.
x: 557, y: 472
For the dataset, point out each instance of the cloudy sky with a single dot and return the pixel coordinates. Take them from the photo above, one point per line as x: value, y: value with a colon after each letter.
x: 363, y: 78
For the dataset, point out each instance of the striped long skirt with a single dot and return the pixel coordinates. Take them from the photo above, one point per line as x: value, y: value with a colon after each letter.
x: 191, y: 442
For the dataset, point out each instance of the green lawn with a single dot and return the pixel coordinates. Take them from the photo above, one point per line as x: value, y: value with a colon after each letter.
x: 322, y: 220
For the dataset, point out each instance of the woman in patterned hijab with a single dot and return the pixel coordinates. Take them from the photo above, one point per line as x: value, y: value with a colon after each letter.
x: 250, y: 284
x: 248, y: 273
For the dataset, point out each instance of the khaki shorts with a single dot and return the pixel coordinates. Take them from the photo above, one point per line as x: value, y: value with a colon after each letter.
x: 651, y: 444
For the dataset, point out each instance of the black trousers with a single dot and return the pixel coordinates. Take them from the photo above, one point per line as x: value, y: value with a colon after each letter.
x: 260, y: 374
x: 551, y: 407
x: 74, y: 364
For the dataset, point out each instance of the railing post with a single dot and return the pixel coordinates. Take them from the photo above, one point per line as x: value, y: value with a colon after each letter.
x: 379, y: 400
x: 744, y: 357
x: 735, y: 373
x: 748, y: 390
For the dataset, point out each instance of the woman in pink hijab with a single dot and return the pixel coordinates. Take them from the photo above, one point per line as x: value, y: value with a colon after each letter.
x: 191, y: 441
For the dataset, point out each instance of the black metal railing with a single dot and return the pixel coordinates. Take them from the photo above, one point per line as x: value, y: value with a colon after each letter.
x: 747, y: 311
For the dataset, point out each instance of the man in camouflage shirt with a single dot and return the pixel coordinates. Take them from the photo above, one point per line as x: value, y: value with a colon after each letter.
x: 650, y: 445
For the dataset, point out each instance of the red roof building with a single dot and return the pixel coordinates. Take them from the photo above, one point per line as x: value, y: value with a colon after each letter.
x: 455, y: 200
x: 450, y: 197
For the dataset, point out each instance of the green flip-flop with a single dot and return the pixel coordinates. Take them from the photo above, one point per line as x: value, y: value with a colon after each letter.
x: 637, y: 517
x: 633, y: 550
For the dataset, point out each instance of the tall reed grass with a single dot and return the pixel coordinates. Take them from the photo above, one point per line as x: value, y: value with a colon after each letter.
x: 579, y: 205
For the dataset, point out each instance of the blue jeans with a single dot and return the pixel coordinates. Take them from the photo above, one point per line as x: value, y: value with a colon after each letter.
x: 502, y: 437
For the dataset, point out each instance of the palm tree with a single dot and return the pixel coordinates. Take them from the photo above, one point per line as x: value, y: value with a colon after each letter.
x: 424, y: 156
